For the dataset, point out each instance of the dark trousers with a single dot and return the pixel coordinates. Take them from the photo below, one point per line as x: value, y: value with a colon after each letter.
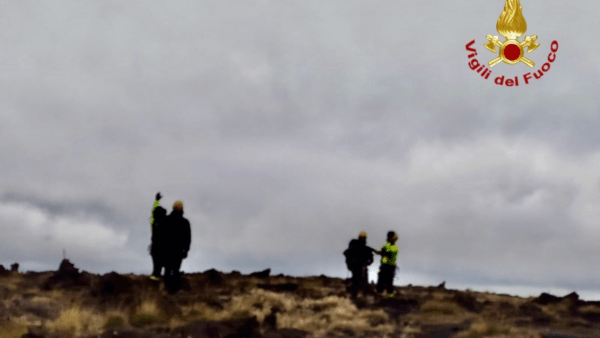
x: 158, y: 263
x: 386, y: 278
x: 359, y: 281
x: 172, y: 274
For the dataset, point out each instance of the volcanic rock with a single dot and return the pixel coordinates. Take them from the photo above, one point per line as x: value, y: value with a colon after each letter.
x: 442, y: 286
x: 3, y: 271
x: 546, y: 298
x: 67, y: 276
x: 247, y: 327
x: 14, y: 267
x: 468, y: 302
x: 114, y: 284
x: 214, y: 277
x: 261, y: 274
x: 285, y: 333
x: 289, y: 287
x: 572, y: 296
x: 270, y: 320
x: 397, y: 307
x: 538, y: 317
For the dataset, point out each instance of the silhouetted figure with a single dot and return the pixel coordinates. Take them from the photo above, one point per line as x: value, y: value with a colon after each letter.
x: 178, y: 237
x: 158, y: 244
x: 387, y: 269
x: 358, y: 257
x: 14, y: 267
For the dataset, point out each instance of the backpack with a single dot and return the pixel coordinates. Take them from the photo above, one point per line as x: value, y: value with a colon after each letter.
x: 350, y: 255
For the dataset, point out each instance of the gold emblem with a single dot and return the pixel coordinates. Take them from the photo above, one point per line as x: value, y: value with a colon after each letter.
x: 511, y: 25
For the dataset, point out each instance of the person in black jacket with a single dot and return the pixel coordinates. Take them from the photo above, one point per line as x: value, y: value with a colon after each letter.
x: 358, y: 257
x: 157, y: 246
x: 178, y: 239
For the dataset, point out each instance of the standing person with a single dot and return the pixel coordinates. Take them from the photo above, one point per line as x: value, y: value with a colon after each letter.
x: 387, y: 269
x: 178, y: 239
x: 157, y: 246
x: 358, y: 257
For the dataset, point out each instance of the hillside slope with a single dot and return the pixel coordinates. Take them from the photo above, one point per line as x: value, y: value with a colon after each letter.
x: 69, y: 303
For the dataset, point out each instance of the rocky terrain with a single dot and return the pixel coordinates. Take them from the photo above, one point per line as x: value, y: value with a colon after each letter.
x: 73, y: 303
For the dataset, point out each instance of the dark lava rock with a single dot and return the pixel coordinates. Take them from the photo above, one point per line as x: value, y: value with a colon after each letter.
x: 14, y: 267
x: 247, y: 327
x: 572, y: 296
x: 67, y: 267
x: 214, y: 277
x: 545, y: 299
x: 114, y: 284
x: 3, y: 271
x: 538, y: 317
x: 442, y: 286
x: 289, y: 287
x: 271, y: 319
x: 38, y: 332
x: 397, y: 307
x: 261, y: 274
x: 285, y: 333
x: 442, y: 330
x: 529, y: 309
x: 125, y: 334
x: 561, y: 335
x: 67, y: 276
x: 213, y: 302
x: 468, y: 302
x: 592, y: 317
x: 235, y: 273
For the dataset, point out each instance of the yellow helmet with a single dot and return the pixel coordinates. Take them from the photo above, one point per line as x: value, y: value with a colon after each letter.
x: 362, y: 234
x: 178, y: 205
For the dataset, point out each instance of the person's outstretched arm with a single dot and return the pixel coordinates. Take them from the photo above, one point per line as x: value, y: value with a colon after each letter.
x: 156, y: 204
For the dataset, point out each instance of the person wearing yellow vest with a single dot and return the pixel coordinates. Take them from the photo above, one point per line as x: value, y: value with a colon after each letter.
x: 387, y: 269
x: 157, y: 246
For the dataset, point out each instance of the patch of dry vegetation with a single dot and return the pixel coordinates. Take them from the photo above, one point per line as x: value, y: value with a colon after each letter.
x: 334, y: 313
x: 492, y: 328
x: 589, y: 309
x: 12, y: 330
x: 441, y: 307
x: 318, y: 316
x: 76, y: 320
x: 147, y: 313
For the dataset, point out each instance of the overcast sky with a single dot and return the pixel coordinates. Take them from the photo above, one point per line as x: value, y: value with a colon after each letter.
x: 288, y: 127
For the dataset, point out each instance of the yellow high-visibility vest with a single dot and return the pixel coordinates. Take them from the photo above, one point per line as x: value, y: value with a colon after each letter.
x: 392, y: 250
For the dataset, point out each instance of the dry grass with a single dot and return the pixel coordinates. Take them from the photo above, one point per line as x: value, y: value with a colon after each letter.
x: 589, y: 309
x: 12, y: 282
x: 12, y: 330
x: 490, y: 328
x: 441, y: 307
x: 147, y: 313
x: 318, y: 316
x: 75, y: 320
